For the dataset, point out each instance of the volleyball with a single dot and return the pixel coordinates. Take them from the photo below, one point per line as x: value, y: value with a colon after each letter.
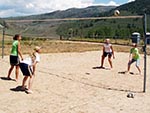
x: 116, y: 12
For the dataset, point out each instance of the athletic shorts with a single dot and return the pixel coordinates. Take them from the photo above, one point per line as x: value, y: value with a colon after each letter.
x: 133, y: 60
x: 109, y: 54
x: 26, y: 69
x: 14, y: 60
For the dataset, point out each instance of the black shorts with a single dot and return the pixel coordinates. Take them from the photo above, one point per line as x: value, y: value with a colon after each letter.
x: 26, y: 69
x: 14, y: 60
x: 109, y: 54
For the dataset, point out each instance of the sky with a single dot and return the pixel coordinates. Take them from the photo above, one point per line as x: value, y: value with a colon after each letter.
x: 13, y: 8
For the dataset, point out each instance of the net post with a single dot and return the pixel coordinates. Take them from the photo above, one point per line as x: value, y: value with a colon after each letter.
x: 145, y: 59
x: 3, y: 34
x: 3, y: 42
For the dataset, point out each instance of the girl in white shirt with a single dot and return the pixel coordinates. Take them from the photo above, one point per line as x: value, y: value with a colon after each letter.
x: 27, y: 67
x: 107, y: 51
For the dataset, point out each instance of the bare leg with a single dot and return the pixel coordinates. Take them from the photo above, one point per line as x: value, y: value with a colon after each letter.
x: 139, y: 69
x: 110, y: 62
x: 128, y: 68
x: 24, y: 81
x: 10, y: 70
x: 129, y: 65
x: 102, y: 61
x: 30, y: 84
x: 17, y: 72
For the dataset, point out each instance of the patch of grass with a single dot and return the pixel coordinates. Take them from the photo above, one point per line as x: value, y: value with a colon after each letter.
x: 57, y: 46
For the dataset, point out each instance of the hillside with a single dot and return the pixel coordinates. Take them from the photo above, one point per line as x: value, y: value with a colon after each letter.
x: 118, y: 28
x: 92, y: 11
x: 137, y: 7
x: 48, y: 29
x: 113, y: 28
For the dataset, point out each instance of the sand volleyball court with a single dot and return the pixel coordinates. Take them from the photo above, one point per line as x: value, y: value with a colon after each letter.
x: 73, y: 83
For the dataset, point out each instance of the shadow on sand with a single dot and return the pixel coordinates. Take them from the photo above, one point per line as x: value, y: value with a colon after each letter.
x: 99, y: 67
x: 124, y: 72
x: 17, y: 89
x: 8, y: 79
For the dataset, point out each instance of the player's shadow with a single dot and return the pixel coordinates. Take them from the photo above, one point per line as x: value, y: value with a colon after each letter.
x: 7, y: 79
x: 99, y: 67
x: 124, y: 72
x: 17, y: 89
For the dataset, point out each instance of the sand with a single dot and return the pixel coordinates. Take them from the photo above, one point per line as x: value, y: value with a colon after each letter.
x: 73, y: 83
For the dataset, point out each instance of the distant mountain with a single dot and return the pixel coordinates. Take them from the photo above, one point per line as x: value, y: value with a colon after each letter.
x: 120, y: 28
x: 48, y: 29
x: 92, y: 11
x: 136, y: 7
x: 91, y: 28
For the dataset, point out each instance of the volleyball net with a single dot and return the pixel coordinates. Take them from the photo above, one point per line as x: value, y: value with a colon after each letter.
x: 92, y: 29
x: 116, y: 27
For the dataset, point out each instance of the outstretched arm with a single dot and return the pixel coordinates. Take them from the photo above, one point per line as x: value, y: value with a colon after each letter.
x: 130, y: 57
x: 34, y: 67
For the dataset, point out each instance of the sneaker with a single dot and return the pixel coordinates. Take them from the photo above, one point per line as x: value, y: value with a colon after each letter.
x: 101, y: 67
x: 29, y: 91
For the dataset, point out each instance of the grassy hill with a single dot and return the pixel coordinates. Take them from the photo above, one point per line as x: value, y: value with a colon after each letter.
x: 114, y: 28
x: 48, y: 29
x: 137, y: 7
x: 92, y: 11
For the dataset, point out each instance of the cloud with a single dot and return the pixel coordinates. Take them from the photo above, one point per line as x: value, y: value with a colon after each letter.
x: 131, y: 0
x: 31, y: 7
x: 111, y: 3
x: 47, y: 5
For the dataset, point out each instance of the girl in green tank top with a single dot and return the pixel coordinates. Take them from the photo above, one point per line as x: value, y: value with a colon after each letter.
x: 134, y: 57
x: 14, y: 50
x: 14, y: 58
